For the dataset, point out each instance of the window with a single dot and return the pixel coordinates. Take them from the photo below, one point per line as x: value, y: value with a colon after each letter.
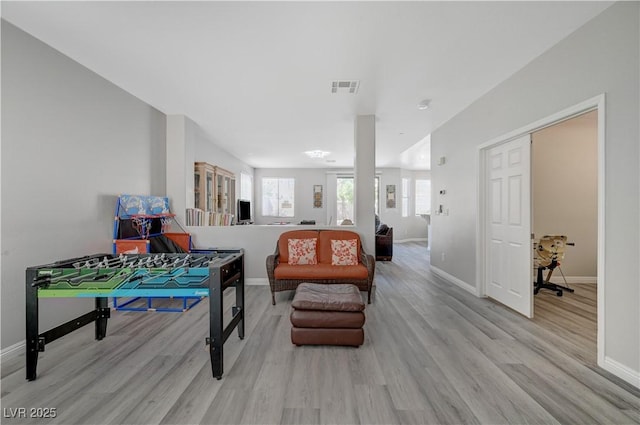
x: 278, y: 197
x: 246, y: 187
x: 405, y: 197
x: 423, y: 196
x: 345, y: 185
x: 345, y: 199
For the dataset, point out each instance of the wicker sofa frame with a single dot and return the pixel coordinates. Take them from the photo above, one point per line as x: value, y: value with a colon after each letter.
x: 278, y: 285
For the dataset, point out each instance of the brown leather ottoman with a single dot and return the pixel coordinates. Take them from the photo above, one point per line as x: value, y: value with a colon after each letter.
x: 327, y: 315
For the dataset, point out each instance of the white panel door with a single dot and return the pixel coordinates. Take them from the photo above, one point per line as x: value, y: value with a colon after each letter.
x: 508, y: 223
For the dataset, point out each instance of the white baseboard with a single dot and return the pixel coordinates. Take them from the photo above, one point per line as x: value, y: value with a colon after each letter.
x: 622, y: 371
x: 12, y: 351
x: 452, y: 279
x: 256, y: 281
x: 410, y: 240
x: 574, y: 279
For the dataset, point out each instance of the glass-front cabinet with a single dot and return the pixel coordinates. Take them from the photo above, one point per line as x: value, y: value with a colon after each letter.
x: 204, y: 177
x: 225, y: 191
x: 215, y: 194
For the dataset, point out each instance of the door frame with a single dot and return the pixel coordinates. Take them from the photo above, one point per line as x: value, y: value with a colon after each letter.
x: 595, y: 103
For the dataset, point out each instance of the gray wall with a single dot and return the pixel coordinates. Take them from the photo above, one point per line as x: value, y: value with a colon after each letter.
x: 187, y: 144
x: 404, y: 228
x: 207, y: 151
x: 305, y: 179
x: 71, y: 142
x: 411, y: 227
x: 601, y: 57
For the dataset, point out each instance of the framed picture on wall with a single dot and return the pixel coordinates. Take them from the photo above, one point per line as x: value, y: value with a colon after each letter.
x: 391, y: 196
x: 317, y: 196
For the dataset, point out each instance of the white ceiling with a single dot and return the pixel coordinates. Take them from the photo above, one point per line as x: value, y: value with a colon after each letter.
x: 256, y: 76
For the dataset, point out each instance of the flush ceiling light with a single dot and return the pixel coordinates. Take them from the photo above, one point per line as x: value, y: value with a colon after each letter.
x: 317, y: 154
x: 424, y: 104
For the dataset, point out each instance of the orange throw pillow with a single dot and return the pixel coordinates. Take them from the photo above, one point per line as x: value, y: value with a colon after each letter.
x: 344, y: 252
x: 302, y: 251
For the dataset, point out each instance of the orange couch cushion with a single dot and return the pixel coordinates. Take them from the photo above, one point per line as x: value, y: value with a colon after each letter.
x: 283, y: 241
x: 320, y: 271
x: 324, y: 244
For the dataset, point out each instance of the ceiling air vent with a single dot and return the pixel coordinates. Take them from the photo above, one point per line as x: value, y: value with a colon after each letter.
x: 345, y: 86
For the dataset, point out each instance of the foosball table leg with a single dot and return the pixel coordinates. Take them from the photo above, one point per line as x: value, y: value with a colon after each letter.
x: 239, y: 285
x: 102, y: 315
x: 32, y: 337
x: 216, y: 339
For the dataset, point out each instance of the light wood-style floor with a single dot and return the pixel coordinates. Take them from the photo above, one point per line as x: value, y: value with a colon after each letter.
x: 433, y: 354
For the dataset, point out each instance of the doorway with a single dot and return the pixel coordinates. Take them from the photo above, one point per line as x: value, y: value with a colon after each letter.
x: 564, y: 195
x: 483, y: 257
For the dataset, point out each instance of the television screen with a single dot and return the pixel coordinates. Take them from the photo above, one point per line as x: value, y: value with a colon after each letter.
x: 244, y: 211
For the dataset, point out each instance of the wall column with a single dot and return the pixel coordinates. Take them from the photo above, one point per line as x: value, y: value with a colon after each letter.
x: 180, y: 157
x: 364, y: 172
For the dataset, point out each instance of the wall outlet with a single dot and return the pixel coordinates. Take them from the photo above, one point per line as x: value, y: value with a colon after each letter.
x: 443, y: 256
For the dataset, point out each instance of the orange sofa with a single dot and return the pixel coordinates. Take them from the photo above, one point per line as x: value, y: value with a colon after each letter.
x: 286, y: 277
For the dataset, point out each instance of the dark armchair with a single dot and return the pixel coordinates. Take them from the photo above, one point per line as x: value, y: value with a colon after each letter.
x: 384, y: 243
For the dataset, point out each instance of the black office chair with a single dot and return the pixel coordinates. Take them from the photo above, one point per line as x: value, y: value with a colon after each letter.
x: 549, y: 252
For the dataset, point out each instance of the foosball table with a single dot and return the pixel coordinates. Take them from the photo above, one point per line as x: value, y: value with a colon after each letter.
x: 101, y: 276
